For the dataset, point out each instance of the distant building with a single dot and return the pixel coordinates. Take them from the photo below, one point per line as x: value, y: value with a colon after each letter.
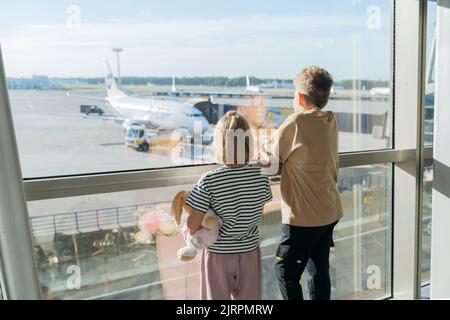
x: 74, y: 81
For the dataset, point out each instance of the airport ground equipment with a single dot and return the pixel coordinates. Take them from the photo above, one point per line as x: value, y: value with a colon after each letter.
x: 89, y: 108
x: 138, y: 137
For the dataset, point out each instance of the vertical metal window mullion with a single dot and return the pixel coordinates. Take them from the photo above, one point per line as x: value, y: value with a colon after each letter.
x: 393, y: 35
x: 18, y: 268
x: 422, y: 47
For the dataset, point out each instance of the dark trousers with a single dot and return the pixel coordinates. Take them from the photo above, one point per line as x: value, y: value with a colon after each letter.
x: 297, y: 246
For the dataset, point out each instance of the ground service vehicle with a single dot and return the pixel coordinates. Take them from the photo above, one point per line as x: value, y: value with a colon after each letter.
x: 89, y: 108
x: 138, y: 137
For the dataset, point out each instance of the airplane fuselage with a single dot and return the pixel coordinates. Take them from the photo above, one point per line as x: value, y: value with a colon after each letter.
x: 253, y: 89
x: 168, y: 114
x: 154, y: 112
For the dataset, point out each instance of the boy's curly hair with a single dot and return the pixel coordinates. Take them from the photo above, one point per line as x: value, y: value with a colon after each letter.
x: 315, y: 83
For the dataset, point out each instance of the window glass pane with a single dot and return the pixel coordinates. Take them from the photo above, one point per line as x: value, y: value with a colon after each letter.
x: 86, y: 246
x: 363, y: 237
x: 1, y: 291
x: 428, y: 136
x: 69, y: 121
x: 430, y: 72
x: 426, y: 221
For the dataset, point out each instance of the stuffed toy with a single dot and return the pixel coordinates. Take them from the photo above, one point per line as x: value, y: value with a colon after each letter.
x: 151, y: 222
x: 205, y: 236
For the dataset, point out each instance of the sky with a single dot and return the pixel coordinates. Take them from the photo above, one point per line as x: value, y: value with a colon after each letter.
x: 261, y: 38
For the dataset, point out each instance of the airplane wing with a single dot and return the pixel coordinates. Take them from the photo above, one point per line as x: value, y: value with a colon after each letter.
x: 82, y: 116
x: 75, y: 94
x: 96, y: 98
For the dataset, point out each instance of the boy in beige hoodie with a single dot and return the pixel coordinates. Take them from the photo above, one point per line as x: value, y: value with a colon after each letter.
x: 306, y: 148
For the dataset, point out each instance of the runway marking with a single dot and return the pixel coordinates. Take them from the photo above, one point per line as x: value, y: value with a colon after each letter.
x: 30, y: 106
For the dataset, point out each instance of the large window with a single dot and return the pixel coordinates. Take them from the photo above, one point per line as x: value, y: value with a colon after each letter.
x: 182, y: 65
x: 103, y: 90
x: 86, y: 246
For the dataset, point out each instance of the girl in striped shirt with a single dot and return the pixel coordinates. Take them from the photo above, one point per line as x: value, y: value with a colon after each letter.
x: 237, y: 192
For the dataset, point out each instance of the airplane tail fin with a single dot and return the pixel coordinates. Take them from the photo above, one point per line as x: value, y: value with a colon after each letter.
x: 250, y: 88
x: 112, y: 89
x: 174, y: 88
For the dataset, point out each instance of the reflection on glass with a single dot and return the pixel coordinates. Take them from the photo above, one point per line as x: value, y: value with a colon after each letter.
x: 430, y: 73
x: 76, y: 114
x: 426, y: 221
x: 428, y: 140
x: 86, y: 246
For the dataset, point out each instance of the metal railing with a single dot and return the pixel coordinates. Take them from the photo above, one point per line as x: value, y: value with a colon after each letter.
x: 79, y: 185
x: 88, y: 220
x: 126, y: 216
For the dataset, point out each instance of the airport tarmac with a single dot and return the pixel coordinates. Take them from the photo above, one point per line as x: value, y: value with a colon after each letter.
x: 55, y: 145
x: 52, y: 145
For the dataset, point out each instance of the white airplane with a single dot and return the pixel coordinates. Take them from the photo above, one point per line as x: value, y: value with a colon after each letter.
x: 151, y: 112
x: 277, y: 85
x: 248, y: 92
x: 380, y: 92
x: 335, y: 89
x: 174, y: 87
x: 250, y: 88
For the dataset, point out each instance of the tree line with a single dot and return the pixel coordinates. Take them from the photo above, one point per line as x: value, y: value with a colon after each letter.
x: 224, y: 81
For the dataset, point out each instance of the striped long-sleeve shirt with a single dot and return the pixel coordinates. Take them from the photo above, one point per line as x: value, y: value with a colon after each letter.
x: 237, y: 195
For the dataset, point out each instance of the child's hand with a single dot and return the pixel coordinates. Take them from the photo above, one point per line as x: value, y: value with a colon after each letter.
x: 192, y: 231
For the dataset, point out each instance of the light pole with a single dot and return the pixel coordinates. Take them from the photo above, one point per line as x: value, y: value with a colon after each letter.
x: 117, y: 51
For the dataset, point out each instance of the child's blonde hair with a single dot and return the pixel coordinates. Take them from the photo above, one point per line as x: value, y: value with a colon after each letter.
x: 233, y: 141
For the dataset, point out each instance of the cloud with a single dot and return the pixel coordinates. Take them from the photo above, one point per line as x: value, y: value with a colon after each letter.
x: 258, y: 44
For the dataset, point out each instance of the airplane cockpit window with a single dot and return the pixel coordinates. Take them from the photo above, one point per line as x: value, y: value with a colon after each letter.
x: 133, y: 133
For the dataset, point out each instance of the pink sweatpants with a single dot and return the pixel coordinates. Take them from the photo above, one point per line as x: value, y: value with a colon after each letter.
x: 231, y: 276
